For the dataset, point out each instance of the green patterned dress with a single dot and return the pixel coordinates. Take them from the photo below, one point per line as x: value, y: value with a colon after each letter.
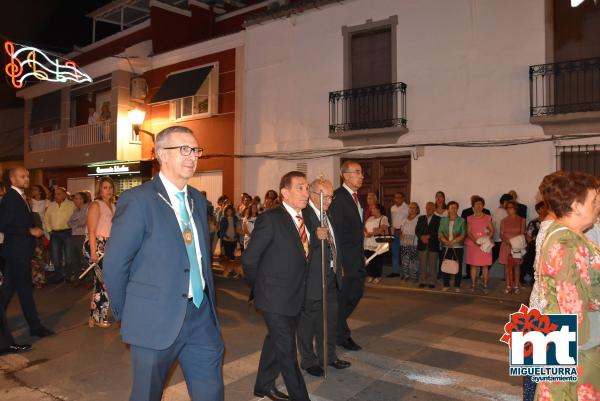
x: 570, y: 283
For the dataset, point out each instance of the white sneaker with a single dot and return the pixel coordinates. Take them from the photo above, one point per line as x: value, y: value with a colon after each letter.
x: 456, y: 289
x: 369, y: 279
x: 376, y: 280
x: 445, y: 289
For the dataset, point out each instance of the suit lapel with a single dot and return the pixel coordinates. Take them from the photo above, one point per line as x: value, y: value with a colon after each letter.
x: 20, y: 200
x: 202, y: 231
x: 350, y: 202
x: 170, y: 218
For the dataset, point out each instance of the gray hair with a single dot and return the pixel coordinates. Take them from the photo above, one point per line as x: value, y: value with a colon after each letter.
x: 314, y: 186
x: 163, y: 137
x: 345, y: 167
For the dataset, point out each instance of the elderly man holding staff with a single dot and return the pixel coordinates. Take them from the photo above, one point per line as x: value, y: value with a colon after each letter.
x: 311, y: 324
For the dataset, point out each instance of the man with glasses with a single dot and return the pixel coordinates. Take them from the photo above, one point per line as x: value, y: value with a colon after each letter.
x: 310, y: 325
x: 346, y: 214
x: 158, y: 273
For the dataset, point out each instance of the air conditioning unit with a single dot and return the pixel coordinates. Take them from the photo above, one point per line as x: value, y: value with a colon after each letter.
x: 139, y: 88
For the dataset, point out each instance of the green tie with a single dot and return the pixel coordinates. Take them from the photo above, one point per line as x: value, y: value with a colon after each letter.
x: 195, y: 278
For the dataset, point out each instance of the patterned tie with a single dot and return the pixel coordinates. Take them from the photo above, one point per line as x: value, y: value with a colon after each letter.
x: 195, y: 278
x: 302, y: 232
x: 331, y: 243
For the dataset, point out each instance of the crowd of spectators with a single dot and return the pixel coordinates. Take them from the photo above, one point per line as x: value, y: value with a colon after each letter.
x: 475, y: 238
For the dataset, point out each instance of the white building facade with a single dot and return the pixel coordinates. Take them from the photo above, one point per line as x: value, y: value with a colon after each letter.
x: 465, y: 64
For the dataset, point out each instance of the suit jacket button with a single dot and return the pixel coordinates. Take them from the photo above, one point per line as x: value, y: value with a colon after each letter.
x: 184, y: 296
x: 186, y: 271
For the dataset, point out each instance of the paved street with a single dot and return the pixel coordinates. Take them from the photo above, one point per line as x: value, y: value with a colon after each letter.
x: 417, y: 345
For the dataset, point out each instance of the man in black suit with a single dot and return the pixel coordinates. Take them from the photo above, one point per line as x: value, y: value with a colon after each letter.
x: 276, y: 266
x: 16, y: 222
x: 428, y: 246
x: 310, y: 326
x: 346, y: 215
x: 7, y: 343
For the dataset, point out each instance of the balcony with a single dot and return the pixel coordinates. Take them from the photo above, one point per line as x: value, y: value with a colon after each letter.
x: 374, y: 114
x: 83, y: 135
x: 565, y: 96
x: 79, y: 145
x: 46, y: 141
x: 89, y: 134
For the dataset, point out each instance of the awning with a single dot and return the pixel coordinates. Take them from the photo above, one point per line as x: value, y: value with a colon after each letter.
x: 182, y: 84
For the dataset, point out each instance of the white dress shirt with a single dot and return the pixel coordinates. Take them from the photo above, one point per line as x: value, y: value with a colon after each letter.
x: 171, y: 191
x: 292, y: 212
x: 399, y: 215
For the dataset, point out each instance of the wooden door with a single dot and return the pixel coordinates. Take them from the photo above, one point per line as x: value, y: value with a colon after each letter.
x: 385, y: 176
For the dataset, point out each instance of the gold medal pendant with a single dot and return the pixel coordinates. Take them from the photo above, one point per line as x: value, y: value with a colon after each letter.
x: 188, y: 236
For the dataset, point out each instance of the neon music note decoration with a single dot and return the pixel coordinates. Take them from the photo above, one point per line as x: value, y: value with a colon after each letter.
x: 13, y: 69
x: 28, y: 62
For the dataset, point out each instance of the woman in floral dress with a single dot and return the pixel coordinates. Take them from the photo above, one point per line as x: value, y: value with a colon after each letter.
x: 99, y: 223
x: 569, y: 270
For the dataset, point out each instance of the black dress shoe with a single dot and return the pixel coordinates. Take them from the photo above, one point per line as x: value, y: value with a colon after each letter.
x: 393, y: 275
x: 340, y: 364
x: 15, y: 348
x: 422, y: 285
x: 315, y: 370
x: 272, y: 394
x: 431, y: 286
x: 41, y: 332
x: 350, y: 345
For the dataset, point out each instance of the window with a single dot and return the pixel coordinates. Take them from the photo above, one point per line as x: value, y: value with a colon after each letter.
x: 191, y: 93
x: 193, y: 106
x: 370, y: 53
x: 585, y: 158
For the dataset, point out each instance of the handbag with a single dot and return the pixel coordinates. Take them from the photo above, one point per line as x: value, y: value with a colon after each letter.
x: 450, y: 266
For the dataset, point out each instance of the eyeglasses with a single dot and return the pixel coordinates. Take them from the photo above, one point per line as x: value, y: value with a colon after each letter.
x: 357, y: 172
x: 325, y: 197
x: 185, y: 150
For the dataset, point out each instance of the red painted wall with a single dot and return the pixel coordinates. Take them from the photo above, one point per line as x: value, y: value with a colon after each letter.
x: 115, y: 47
x: 215, y: 134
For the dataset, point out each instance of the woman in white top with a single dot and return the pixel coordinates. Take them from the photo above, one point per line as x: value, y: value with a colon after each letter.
x: 248, y: 223
x: 408, y: 244
x: 441, y: 209
x: 376, y: 225
x: 39, y: 201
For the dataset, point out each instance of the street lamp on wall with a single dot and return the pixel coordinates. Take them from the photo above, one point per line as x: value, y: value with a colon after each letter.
x: 136, y: 119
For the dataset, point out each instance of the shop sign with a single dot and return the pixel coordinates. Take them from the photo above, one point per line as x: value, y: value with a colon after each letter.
x: 114, y: 169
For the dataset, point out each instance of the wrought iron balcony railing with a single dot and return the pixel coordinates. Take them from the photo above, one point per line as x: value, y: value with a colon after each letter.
x: 372, y: 107
x: 565, y: 87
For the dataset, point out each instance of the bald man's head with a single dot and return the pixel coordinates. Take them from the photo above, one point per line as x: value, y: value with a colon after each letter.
x: 318, y: 185
x: 19, y: 177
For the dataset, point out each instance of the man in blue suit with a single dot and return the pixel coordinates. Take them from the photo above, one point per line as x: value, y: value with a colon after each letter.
x: 157, y: 271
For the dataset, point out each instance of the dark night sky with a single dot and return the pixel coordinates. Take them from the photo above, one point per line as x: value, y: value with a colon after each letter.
x: 51, y: 25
